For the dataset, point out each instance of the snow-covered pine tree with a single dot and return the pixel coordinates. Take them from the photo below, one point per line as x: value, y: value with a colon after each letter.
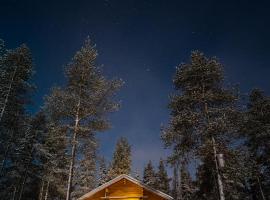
x: 136, y: 174
x: 121, y: 162
x: 55, y: 161
x: 163, y: 181
x: 85, y: 178
x: 256, y: 132
x: 183, y: 187
x: 4, y: 86
x: 16, y: 70
x: 15, y: 88
x: 28, y: 158
x: 103, y: 171
x: 187, y: 187
x: 83, y: 104
x: 149, y: 175
x: 202, y: 114
x: 175, y: 184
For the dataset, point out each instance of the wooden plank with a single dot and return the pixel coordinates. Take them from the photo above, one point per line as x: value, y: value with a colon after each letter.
x: 125, y: 188
x: 124, y: 197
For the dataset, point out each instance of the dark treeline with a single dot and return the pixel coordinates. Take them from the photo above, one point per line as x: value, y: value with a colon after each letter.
x: 53, y: 154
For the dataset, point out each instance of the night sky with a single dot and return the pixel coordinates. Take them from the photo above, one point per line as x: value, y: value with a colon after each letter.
x: 141, y: 42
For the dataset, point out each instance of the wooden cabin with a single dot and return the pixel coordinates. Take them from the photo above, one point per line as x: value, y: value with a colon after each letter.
x: 125, y: 187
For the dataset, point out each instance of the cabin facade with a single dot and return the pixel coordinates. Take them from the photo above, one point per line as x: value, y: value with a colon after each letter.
x: 125, y: 187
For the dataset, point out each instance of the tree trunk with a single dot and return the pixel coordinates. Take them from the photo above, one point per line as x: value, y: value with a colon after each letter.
x: 25, y: 174
x: 260, y: 186
x: 47, y: 191
x: 8, y: 93
x: 179, y: 182
x: 23, y: 183
x: 4, y: 160
x: 73, y: 151
x: 71, y: 168
x: 41, y: 190
x: 219, y: 180
x: 14, y: 193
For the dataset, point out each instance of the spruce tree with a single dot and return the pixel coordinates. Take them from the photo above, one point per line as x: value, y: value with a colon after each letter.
x: 202, y: 114
x: 136, y: 175
x: 103, y: 171
x: 149, y: 175
x: 83, y: 104
x: 162, y: 181
x: 121, y: 162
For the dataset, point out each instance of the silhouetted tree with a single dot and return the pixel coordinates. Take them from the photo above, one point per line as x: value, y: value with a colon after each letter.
x: 163, y: 181
x: 103, y: 171
x: 149, y: 175
x: 121, y: 163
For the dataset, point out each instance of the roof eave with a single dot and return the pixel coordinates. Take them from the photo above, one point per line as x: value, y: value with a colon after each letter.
x: 118, y: 178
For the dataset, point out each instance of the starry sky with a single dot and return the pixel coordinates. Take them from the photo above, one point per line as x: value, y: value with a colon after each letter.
x: 141, y: 41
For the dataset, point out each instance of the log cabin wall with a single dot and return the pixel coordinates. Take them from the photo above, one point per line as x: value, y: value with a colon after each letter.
x: 123, y: 188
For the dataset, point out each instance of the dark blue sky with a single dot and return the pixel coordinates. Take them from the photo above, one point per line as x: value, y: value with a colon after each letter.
x: 141, y: 42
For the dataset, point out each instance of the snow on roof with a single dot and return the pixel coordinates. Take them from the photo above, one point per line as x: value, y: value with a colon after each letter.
x: 133, y: 180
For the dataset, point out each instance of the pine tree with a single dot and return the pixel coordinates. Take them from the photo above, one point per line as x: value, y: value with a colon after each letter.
x: 29, y: 158
x: 54, y: 160
x: 163, y: 182
x: 16, y: 137
x: 4, y: 76
x: 86, y: 169
x: 183, y: 188
x: 187, y: 188
x: 175, y: 184
x: 202, y: 114
x: 24, y: 169
x: 103, y: 171
x: 235, y: 175
x: 256, y: 131
x: 16, y: 71
x: 206, y: 181
x: 149, y: 175
x: 136, y: 175
x: 121, y: 163
x: 83, y: 104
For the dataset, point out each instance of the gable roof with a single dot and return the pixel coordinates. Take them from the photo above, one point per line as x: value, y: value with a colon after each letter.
x: 131, y: 179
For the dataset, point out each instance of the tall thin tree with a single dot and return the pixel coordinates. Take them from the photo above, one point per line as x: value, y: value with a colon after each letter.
x: 256, y: 131
x: 201, y: 112
x: 81, y: 106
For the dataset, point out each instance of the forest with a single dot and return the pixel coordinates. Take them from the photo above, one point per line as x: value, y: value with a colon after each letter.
x: 53, y: 154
